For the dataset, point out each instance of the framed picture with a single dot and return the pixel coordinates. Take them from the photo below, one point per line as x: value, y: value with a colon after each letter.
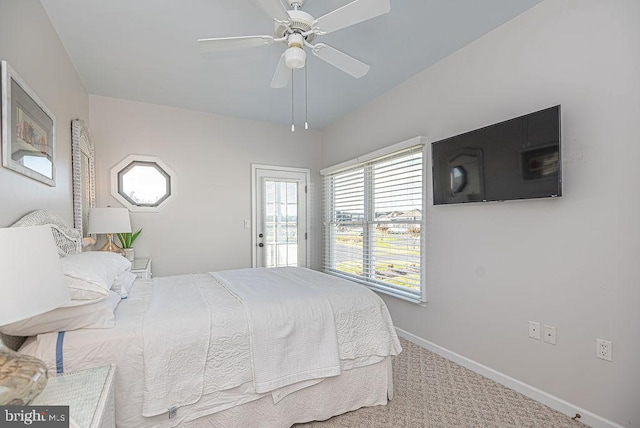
x: 28, y: 130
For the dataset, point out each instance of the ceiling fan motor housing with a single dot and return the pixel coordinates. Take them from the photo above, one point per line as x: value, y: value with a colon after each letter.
x: 300, y: 22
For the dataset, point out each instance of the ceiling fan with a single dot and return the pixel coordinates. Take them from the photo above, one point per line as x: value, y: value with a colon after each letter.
x: 298, y: 30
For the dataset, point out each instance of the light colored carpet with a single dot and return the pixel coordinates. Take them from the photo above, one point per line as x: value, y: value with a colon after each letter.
x: 431, y: 391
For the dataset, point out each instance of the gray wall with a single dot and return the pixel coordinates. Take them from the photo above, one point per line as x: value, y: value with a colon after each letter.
x: 570, y: 262
x: 202, y: 228
x: 31, y: 46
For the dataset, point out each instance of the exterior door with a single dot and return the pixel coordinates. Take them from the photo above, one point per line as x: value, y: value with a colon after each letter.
x: 280, y: 216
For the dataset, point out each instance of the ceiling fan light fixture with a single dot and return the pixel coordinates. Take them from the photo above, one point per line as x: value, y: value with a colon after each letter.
x: 295, y: 57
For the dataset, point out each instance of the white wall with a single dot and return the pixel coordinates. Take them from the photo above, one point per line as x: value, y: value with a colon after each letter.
x: 31, y: 46
x: 570, y: 262
x: 202, y: 228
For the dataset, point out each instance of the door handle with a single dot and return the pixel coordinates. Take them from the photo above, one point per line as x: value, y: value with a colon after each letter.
x: 261, y: 245
x: 260, y: 236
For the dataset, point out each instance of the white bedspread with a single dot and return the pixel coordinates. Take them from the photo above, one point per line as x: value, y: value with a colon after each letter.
x: 265, y: 353
x: 176, y: 332
x: 291, y: 327
x: 365, y: 337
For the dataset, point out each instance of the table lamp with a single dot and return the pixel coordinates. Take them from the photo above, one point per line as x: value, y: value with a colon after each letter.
x: 109, y: 221
x: 31, y: 283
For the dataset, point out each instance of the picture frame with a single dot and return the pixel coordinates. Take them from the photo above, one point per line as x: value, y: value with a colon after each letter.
x: 28, y: 130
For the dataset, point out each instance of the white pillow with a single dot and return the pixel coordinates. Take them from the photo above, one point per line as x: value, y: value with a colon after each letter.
x: 123, y: 283
x: 94, y: 315
x: 91, y: 274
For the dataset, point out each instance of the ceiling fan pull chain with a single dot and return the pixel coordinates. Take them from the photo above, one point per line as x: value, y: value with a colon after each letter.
x: 306, y: 100
x: 293, y: 126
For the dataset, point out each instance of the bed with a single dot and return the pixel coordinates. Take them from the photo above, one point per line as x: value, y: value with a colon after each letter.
x: 248, y: 347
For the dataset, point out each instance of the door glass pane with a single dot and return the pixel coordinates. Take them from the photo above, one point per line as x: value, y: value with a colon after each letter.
x: 281, y: 223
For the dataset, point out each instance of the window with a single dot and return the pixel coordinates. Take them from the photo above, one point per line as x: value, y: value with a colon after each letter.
x: 373, y: 222
x: 142, y: 183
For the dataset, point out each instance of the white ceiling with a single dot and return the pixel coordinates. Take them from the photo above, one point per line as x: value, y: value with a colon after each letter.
x: 145, y: 50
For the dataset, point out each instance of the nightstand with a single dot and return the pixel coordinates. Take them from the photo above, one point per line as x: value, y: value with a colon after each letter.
x: 142, y: 268
x: 88, y: 393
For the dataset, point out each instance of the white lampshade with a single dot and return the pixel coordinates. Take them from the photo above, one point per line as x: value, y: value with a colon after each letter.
x: 31, y: 277
x: 109, y: 220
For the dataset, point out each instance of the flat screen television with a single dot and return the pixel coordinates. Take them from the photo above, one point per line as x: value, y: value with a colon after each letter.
x: 515, y: 159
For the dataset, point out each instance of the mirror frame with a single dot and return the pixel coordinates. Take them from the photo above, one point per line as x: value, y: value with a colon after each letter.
x: 82, y: 146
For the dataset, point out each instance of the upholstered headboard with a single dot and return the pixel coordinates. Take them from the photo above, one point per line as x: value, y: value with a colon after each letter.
x: 68, y: 241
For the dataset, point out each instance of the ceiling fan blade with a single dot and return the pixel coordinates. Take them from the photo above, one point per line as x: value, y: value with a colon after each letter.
x: 352, y: 13
x: 274, y: 8
x: 340, y: 60
x: 230, y: 43
x: 282, y: 75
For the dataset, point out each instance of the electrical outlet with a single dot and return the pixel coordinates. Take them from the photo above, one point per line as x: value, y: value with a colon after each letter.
x: 550, y: 334
x: 603, y: 349
x: 534, y: 330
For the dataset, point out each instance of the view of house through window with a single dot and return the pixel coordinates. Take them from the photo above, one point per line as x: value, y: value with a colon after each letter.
x: 373, y: 219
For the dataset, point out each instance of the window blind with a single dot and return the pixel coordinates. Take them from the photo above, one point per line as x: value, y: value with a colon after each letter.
x: 373, y: 223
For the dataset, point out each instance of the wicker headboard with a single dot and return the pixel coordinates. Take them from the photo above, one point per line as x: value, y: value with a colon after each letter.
x: 68, y: 241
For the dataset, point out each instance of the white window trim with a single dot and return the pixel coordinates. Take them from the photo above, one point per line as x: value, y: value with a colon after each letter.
x: 407, y: 144
x: 426, y: 173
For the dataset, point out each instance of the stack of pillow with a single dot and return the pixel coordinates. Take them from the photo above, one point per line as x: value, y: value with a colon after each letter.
x: 97, y: 280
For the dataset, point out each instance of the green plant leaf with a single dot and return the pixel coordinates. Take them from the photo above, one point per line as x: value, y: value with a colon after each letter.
x: 134, y: 236
x: 123, y: 240
x: 127, y: 238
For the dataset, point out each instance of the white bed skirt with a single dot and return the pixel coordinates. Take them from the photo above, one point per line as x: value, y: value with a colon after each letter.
x: 351, y: 390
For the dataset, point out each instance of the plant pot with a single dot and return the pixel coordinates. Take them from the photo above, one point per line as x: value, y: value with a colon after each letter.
x: 129, y: 254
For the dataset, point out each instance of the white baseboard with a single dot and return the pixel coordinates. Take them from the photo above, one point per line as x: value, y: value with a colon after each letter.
x: 586, y: 417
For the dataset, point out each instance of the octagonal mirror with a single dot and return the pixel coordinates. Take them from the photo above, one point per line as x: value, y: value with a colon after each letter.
x: 142, y: 183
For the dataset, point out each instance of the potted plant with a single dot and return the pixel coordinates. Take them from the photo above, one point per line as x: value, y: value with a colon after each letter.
x: 126, y: 240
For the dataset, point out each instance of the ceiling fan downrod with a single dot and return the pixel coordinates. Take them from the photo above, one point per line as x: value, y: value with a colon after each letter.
x: 295, y: 4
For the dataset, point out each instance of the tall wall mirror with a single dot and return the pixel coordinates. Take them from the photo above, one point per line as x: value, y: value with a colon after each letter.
x: 84, y: 178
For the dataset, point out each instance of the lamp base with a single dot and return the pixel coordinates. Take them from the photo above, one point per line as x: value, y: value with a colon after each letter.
x: 22, y: 377
x: 110, y: 246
